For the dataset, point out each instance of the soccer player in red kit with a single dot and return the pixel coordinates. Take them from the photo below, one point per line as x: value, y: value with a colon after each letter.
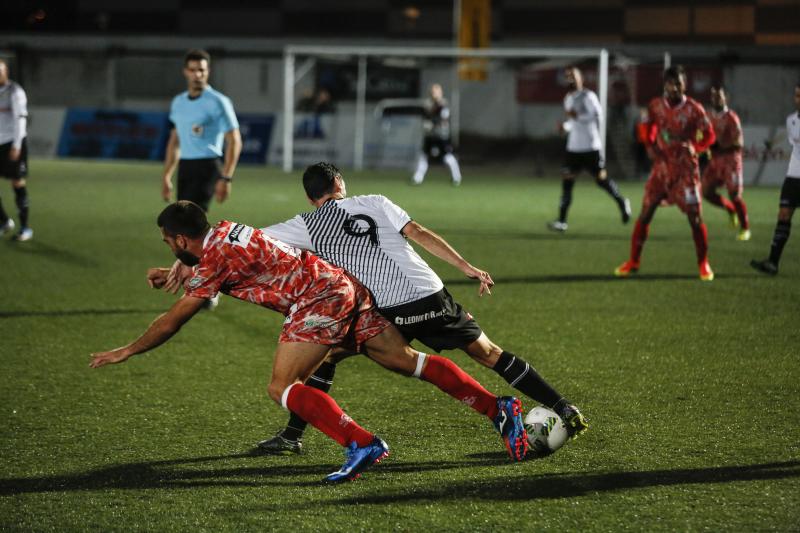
x: 725, y: 168
x: 676, y: 131
x: 324, y: 307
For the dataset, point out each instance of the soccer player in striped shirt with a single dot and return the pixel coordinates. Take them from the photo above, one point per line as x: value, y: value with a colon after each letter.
x: 726, y: 167
x: 324, y: 307
x: 367, y: 236
x: 790, y: 194
x: 678, y: 129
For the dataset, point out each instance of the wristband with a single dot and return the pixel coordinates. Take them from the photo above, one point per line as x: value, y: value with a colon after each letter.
x: 226, y: 178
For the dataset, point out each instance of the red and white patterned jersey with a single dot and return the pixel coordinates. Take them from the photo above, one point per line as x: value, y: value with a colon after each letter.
x: 673, y: 126
x: 727, y: 127
x: 242, y: 262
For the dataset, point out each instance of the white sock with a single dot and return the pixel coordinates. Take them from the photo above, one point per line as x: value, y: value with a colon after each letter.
x: 452, y: 163
x: 422, y: 168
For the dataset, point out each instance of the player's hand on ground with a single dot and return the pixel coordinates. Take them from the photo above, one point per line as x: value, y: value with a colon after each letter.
x: 222, y: 190
x: 177, y: 275
x: 157, y: 277
x: 108, y: 358
x: 166, y: 190
x: 483, y: 277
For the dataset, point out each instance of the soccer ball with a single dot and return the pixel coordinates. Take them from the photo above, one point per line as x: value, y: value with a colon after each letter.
x: 546, y: 431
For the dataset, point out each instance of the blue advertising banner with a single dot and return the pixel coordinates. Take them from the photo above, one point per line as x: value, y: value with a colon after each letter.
x: 256, y: 135
x: 113, y: 134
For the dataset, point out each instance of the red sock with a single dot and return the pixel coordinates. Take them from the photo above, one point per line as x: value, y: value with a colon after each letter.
x: 741, y: 212
x: 727, y: 204
x: 640, y: 233
x: 446, y: 375
x: 322, y: 412
x: 720, y: 201
x: 700, y: 234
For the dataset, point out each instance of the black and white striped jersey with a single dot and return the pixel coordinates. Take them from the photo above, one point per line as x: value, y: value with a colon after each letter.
x: 13, y: 114
x: 362, y: 234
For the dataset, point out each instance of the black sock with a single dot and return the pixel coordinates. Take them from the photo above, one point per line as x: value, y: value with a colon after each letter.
x: 566, y: 199
x: 321, y: 379
x: 21, y: 197
x: 779, y: 239
x: 3, y: 214
x: 610, y: 186
x: 525, y: 379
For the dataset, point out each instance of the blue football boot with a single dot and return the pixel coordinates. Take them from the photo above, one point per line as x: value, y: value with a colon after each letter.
x: 358, y: 460
x: 511, y: 427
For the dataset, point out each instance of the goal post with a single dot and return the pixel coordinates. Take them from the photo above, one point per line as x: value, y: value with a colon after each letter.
x: 363, y: 54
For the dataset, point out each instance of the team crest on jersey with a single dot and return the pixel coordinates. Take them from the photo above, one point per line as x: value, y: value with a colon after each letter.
x: 239, y: 235
x: 197, y: 129
x: 195, y: 282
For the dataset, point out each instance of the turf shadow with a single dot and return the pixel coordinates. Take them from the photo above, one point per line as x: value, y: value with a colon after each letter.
x: 77, y: 312
x: 36, y: 247
x: 548, y: 235
x: 555, y: 486
x: 258, y: 471
x: 577, y: 278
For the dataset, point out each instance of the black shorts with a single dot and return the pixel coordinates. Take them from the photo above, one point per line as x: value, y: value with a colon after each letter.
x: 14, y: 170
x: 436, y: 321
x: 197, y: 179
x: 591, y: 162
x: 790, y: 192
x: 436, y: 148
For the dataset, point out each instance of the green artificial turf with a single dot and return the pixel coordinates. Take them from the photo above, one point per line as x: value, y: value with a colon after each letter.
x: 691, y: 388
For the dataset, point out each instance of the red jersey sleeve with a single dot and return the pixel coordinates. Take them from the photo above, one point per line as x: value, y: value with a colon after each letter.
x: 648, y: 131
x: 705, y: 135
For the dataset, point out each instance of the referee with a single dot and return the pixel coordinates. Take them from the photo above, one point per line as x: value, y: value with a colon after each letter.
x: 201, y: 118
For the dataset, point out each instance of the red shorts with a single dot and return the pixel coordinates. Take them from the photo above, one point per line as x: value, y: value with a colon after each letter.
x: 341, y: 314
x: 724, y: 170
x: 675, y: 181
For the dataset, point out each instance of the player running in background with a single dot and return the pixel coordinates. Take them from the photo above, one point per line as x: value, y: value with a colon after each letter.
x: 584, y: 119
x: 201, y: 118
x: 790, y: 194
x: 677, y: 130
x: 725, y: 167
x: 366, y: 235
x: 324, y: 307
x: 436, y: 143
x: 14, y: 151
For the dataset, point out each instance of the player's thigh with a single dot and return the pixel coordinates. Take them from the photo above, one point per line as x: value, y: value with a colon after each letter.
x: 390, y: 350
x: 294, y: 362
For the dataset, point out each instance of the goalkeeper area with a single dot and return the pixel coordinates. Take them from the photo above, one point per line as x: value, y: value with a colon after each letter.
x: 690, y: 388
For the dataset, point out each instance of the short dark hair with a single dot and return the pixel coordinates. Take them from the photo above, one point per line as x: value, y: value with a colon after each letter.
x: 318, y: 179
x: 196, y: 54
x: 183, y: 218
x: 674, y: 72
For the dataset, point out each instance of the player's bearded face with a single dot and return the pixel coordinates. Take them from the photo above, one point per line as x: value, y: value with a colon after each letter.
x: 187, y: 258
x: 179, y: 245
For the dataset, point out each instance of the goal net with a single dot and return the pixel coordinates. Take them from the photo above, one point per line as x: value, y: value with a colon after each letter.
x: 358, y: 106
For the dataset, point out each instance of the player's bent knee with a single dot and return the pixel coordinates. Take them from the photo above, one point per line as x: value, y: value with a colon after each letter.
x: 276, y: 389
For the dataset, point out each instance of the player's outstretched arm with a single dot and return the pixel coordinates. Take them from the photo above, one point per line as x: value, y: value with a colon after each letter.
x: 159, y: 332
x: 439, y: 247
